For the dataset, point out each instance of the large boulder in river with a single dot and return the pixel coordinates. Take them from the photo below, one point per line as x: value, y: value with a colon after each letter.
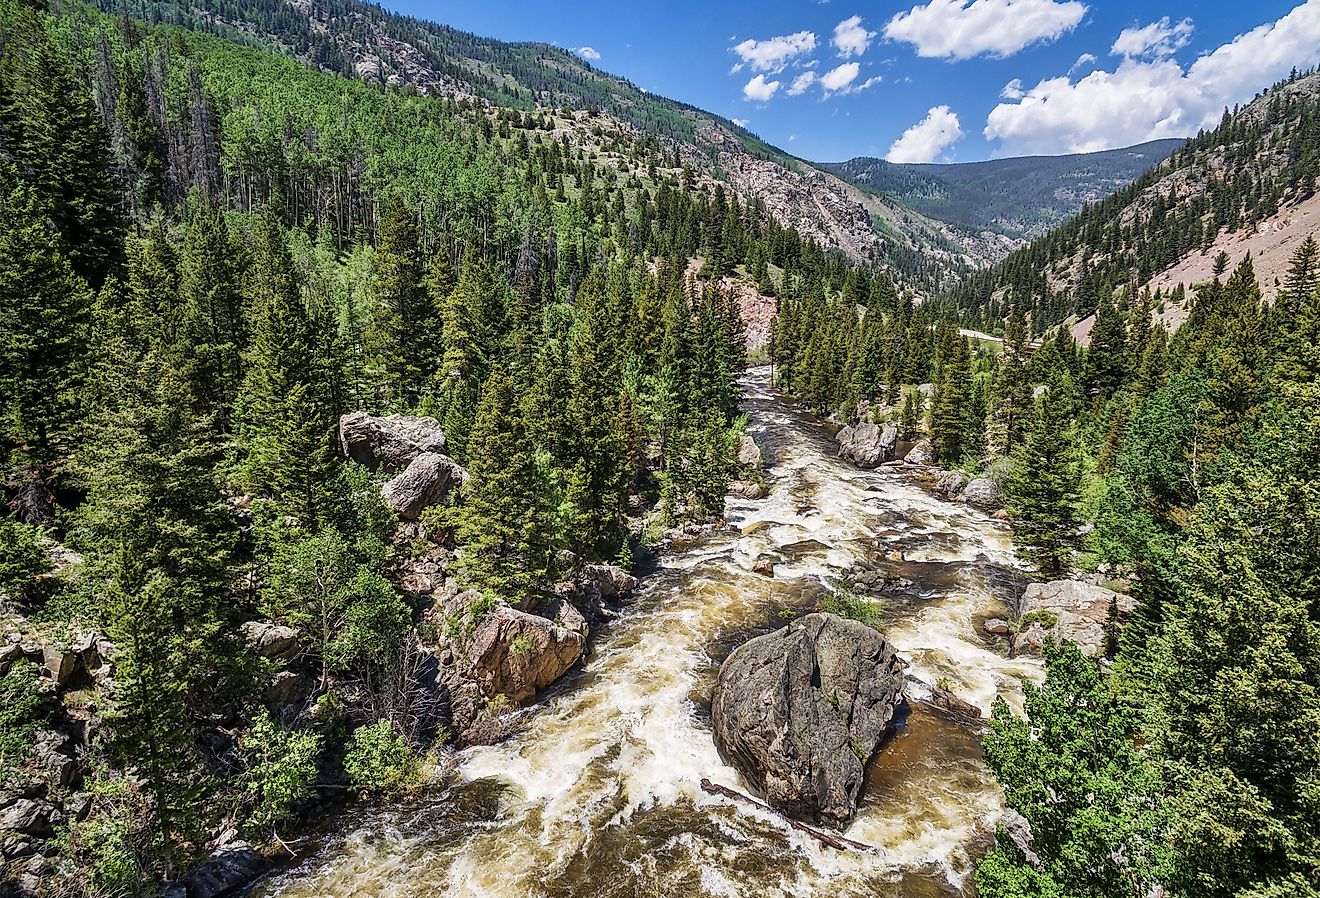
x: 427, y: 480
x: 393, y: 441
x: 800, y: 711
x: 867, y: 445
x: 1067, y: 610
x: 516, y: 654
x: 749, y: 452
x: 922, y: 453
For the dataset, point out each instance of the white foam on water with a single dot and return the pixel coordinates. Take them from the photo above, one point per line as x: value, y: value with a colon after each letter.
x: 630, y: 740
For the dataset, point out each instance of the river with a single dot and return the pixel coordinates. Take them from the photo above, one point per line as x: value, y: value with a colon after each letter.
x: 599, y: 797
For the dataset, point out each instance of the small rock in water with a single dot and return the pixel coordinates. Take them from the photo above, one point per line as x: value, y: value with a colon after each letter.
x: 997, y: 626
x: 764, y: 565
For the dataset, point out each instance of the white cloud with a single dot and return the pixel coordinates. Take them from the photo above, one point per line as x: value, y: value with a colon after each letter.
x: 1082, y: 61
x: 962, y: 29
x: 838, y: 78
x: 869, y: 82
x: 741, y: 122
x: 850, y: 38
x: 587, y: 53
x: 801, y: 83
x: 773, y: 54
x: 1148, y: 98
x: 1158, y: 39
x: 759, y: 89
x: 925, y: 140
x: 1012, y: 90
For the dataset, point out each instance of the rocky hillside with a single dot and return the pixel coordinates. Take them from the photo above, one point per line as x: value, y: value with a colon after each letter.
x: 1017, y: 199
x: 1231, y: 189
x: 366, y: 42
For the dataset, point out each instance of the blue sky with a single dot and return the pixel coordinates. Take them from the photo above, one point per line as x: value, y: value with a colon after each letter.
x: 939, y: 80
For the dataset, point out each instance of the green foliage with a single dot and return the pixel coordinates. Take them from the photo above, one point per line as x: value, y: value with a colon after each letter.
x: 281, y: 770
x: 379, y: 760
x: 846, y: 604
x: 106, y: 845
x: 1071, y: 770
x: 19, y: 711
x: 21, y: 558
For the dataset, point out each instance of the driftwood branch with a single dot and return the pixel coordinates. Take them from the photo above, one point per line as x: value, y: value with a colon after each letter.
x: 825, y: 838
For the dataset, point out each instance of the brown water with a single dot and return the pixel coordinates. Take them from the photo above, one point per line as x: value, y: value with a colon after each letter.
x: 599, y: 797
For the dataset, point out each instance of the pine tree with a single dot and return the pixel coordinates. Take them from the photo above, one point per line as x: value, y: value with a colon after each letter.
x: 1045, y: 486
x: 404, y: 327
x: 949, y: 408
x: 43, y: 331
x: 505, y: 531
x: 1011, y: 388
x: 285, y: 424
x: 211, y: 328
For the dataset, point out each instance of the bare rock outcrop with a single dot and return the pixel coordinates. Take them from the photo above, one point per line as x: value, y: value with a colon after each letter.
x: 799, y: 712
x: 922, y: 453
x: 516, y: 654
x: 392, y: 441
x: 868, y: 445
x: 427, y: 480
x: 1067, y: 610
x: 983, y: 493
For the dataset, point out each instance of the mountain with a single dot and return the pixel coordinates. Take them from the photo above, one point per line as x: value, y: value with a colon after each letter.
x: 1019, y: 198
x: 405, y: 54
x: 1248, y: 185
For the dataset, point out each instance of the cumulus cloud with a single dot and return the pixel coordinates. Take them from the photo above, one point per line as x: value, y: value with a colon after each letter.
x: 587, y: 53
x: 851, y: 38
x: 925, y: 140
x: 840, y: 77
x: 959, y: 29
x: 1082, y: 61
x: 759, y: 89
x: 801, y: 83
x: 741, y: 122
x: 1145, y: 98
x: 773, y: 54
x: 1158, y: 39
x: 1012, y: 90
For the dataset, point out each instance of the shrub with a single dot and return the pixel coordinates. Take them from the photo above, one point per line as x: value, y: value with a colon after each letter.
x: 379, y: 760
x: 845, y: 603
x: 19, y: 705
x: 281, y: 769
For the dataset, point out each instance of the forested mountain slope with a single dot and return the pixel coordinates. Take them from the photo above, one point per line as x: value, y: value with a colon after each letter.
x: 1229, y: 181
x: 365, y: 42
x: 1019, y: 198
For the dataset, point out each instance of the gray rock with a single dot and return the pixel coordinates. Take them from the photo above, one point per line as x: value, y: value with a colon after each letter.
x: 922, y: 453
x: 615, y: 584
x: 286, y: 688
x: 227, y: 871
x: 562, y: 613
x: 393, y: 441
x: 868, y: 445
x: 950, y: 483
x: 997, y: 626
x: 1066, y: 610
x: 983, y: 493
x: 749, y: 452
x: 59, y: 663
x: 1018, y: 831
x: 748, y: 489
x: 35, y: 818
x: 427, y: 480
x: 270, y: 640
x: 799, y: 711
x: 53, y: 759
x: 516, y: 654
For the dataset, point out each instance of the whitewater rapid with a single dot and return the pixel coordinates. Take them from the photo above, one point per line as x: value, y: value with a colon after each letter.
x: 600, y: 795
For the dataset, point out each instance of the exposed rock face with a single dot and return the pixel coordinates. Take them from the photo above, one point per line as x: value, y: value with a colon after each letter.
x: 951, y: 483
x: 427, y: 480
x: 800, y: 710
x: 983, y: 493
x: 748, y: 489
x: 923, y: 453
x: 393, y: 441
x: 271, y: 640
x: 226, y: 871
x: 749, y: 452
x: 868, y: 445
x: 1067, y: 609
x: 516, y: 654
x: 997, y: 626
x: 614, y: 584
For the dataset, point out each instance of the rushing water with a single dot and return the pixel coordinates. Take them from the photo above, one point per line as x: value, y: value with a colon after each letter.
x: 600, y: 797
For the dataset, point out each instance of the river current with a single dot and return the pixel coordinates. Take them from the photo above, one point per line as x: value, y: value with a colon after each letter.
x: 599, y: 797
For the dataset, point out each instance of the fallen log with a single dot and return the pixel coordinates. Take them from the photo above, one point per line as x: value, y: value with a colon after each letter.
x: 825, y: 838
